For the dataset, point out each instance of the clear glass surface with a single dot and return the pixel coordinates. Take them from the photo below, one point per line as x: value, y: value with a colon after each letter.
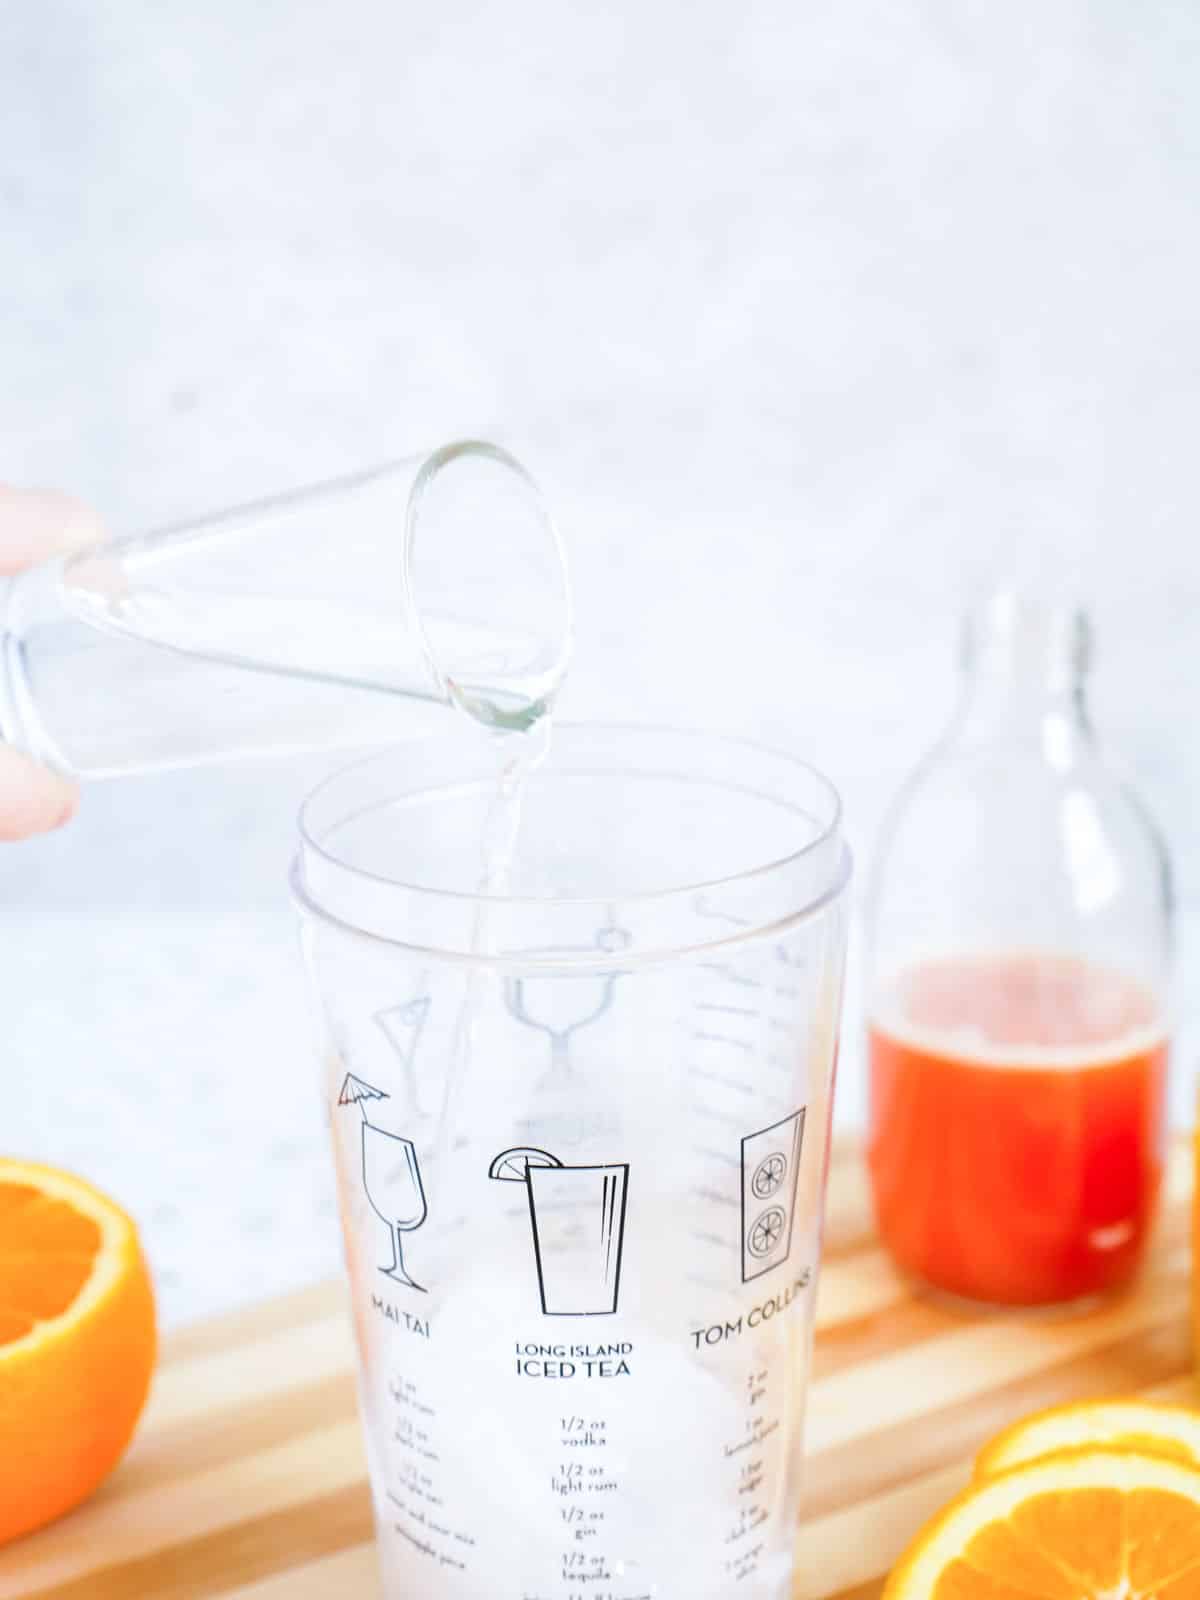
x: 616, y: 1077
x: 1019, y: 918
x: 351, y: 613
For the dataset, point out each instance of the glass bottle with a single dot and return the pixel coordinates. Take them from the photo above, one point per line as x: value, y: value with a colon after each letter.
x: 1019, y: 943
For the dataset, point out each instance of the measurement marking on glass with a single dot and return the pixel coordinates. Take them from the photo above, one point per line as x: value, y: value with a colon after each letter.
x: 710, y: 1238
x: 714, y: 1196
x: 732, y: 975
x: 720, y: 1156
x: 798, y: 962
x: 713, y: 1115
x: 721, y: 1038
x: 724, y: 1082
x: 704, y: 910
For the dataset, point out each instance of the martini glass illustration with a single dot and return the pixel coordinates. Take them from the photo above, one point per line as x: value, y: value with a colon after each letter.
x: 402, y: 1026
x: 391, y: 1179
x: 577, y: 1002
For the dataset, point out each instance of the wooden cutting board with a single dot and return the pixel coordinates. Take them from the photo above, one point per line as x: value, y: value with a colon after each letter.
x: 247, y: 1481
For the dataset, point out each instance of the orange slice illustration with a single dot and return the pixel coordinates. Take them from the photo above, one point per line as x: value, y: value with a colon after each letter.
x: 512, y: 1166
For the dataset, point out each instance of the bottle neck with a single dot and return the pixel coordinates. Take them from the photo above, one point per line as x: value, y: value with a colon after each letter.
x: 1025, y: 664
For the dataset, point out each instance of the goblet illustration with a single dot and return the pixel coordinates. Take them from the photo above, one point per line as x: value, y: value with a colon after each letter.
x: 391, y: 1179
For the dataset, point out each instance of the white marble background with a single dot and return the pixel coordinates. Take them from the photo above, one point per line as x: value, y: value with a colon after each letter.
x: 810, y: 314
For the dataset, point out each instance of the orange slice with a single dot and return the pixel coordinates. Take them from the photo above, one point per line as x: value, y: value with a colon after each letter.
x: 1141, y: 1425
x: 512, y: 1166
x: 1083, y: 1525
x: 77, y: 1342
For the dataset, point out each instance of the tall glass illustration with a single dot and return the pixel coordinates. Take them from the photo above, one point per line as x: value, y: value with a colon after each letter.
x: 609, y: 1177
x: 578, y: 1219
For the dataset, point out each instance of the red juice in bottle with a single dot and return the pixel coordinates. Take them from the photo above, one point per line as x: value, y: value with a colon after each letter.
x: 1017, y: 1124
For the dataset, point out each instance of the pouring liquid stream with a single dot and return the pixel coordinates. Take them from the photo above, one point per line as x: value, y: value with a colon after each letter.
x: 526, y: 746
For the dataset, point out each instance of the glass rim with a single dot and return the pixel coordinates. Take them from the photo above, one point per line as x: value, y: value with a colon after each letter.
x: 822, y: 840
x: 822, y: 886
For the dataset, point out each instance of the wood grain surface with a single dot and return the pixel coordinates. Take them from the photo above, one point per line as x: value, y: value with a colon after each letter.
x: 247, y: 1481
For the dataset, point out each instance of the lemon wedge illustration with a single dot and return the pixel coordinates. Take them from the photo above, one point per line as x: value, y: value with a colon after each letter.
x: 512, y: 1166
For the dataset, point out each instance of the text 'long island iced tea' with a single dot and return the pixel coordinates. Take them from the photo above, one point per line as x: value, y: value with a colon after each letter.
x: 1017, y: 1112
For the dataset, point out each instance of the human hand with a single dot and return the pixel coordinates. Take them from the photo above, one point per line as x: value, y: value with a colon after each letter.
x: 35, y: 525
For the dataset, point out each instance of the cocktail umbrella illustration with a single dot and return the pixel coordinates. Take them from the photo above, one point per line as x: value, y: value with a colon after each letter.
x: 355, y: 1092
x: 391, y: 1178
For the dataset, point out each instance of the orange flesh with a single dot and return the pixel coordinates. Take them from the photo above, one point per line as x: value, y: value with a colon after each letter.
x: 1017, y: 1109
x: 77, y: 1342
x: 47, y: 1254
x: 1086, y: 1542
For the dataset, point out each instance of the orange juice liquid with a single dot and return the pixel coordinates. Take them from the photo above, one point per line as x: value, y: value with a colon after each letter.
x: 1017, y: 1125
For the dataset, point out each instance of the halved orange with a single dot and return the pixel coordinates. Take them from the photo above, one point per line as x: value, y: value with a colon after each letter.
x: 1082, y: 1525
x: 1141, y: 1425
x: 77, y: 1342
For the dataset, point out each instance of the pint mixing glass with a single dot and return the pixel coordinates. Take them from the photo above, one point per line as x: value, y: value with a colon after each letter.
x: 580, y: 1123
